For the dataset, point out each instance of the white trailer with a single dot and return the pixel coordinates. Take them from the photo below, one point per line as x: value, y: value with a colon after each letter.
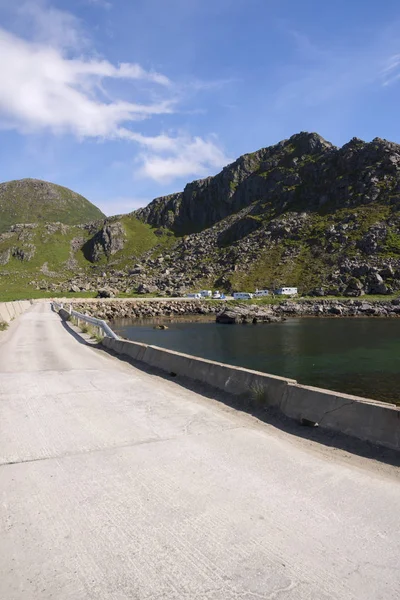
x: 206, y: 293
x: 242, y: 296
x: 286, y: 291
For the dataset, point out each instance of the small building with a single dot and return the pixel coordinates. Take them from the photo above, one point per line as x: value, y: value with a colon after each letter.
x: 261, y: 293
x: 286, y: 291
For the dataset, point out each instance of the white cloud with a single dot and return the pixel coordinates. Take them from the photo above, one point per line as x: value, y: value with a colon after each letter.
x: 42, y: 89
x: 52, y: 81
x: 48, y: 25
x: 180, y: 157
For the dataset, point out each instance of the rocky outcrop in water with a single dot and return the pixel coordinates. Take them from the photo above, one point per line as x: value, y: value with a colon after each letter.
x: 247, y: 314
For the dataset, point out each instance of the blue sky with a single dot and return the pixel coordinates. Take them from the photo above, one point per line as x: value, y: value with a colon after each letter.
x: 126, y: 100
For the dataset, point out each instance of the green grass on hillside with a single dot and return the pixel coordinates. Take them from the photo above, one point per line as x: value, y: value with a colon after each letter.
x: 54, y: 250
x: 32, y: 201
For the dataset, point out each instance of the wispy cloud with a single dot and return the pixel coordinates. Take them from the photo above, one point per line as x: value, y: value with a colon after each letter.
x: 52, y: 80
x: 391, y: 70
x: 101, y: 3
x: 321, y: 74
x: 41, y: 88
x: 49, y: 25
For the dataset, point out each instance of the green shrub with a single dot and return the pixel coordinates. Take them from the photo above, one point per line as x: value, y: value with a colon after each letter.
x: 3, y: 325
x: 258, y: 395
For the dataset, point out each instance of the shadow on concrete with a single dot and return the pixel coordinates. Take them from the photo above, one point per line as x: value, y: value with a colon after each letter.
x: 79, y: 336
x: 272, y: 416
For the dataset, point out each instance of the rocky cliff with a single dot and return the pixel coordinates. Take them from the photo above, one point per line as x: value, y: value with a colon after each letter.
x: 304, y: 172
x: 302, y: 212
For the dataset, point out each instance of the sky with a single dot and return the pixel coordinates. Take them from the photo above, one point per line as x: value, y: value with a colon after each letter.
x: 127, y: 100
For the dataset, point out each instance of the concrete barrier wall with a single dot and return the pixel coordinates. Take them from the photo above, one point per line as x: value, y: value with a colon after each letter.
x: 12, y: 310
x: 365, y: 419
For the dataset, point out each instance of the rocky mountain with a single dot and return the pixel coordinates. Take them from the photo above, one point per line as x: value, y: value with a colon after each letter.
x: 35, y: 201
x: 302, y: 212
x: 304, y: 172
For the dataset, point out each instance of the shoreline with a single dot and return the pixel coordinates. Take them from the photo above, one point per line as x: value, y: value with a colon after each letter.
x: 111, y: 309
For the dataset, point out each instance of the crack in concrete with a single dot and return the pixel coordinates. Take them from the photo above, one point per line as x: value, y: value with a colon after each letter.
x: 335, y: 409
x: 111, y: 448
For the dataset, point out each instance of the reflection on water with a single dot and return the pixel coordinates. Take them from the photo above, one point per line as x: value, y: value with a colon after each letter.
x: 357, y: 356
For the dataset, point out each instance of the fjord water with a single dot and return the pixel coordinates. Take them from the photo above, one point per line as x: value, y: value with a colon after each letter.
x: 354, y: 355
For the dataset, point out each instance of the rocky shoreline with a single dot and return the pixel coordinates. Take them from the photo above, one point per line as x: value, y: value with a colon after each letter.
x: 139, y: 309
x: 133, y: 309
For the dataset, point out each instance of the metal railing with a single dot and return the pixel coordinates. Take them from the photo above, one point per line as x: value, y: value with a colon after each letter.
x: 99, y: 323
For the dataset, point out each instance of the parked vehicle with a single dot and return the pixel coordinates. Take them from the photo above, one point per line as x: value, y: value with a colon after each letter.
x: 286, y: 291
x: 242, y: 296
x: 261, y: 293
x: 216, y: 295
x: 193, y: 296
x: 206, y: 293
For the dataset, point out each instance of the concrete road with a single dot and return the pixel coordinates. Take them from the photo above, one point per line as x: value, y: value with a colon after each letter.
x: 116, y: 484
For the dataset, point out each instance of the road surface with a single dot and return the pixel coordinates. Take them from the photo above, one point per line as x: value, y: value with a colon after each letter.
x: 117, y: 484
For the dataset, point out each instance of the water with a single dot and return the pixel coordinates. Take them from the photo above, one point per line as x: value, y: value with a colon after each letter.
x: 357, y: 356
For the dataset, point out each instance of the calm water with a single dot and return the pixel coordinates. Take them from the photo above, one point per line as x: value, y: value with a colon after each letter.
x: 357, y: 356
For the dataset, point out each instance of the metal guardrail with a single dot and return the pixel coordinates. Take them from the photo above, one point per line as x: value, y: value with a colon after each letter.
x: 102, y: 325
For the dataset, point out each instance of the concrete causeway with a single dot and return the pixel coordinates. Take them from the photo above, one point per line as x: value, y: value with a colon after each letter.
x: 118, y: 484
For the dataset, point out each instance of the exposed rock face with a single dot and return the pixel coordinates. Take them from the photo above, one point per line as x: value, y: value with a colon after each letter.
x: 5, y: 256
x: 25, y: 253
x: 106, y: 242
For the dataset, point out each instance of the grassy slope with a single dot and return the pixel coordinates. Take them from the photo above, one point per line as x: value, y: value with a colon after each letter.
x: 54, y: 249
x: 310, y: 260
x: 31, y: 201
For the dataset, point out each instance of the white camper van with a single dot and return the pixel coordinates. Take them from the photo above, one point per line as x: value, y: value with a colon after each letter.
x: 242, y: 296
x: 206, y: 293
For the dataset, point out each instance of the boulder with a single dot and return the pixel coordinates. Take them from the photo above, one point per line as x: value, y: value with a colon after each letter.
x: 247, y: 314
x: 147, y: 289
x: 354, y: 287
